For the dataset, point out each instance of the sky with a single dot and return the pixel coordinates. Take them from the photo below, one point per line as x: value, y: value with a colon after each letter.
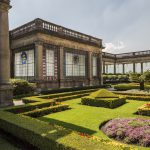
x: 124, y: 25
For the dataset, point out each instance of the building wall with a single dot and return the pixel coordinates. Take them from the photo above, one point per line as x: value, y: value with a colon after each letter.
x: 40, y: 42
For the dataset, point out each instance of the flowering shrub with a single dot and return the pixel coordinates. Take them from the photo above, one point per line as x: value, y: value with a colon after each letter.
x: 22, y: 87
x: 148, y: 105
x: 106, y: 141
x: 144, y: 110
x: 131, y: 131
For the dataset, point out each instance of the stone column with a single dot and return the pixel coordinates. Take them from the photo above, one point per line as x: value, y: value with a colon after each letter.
x: 100, y: 69
x: 103, y: 67
x: 142, y: 67
x: 38, y: 61
x: 114, y: 67
x: 6, y: 95
x: 123, y: 68
x: 134, y: 70
x: 90, y: 69
x: 61, y: 67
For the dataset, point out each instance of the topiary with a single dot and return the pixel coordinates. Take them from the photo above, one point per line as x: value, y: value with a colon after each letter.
x: 103, y: 93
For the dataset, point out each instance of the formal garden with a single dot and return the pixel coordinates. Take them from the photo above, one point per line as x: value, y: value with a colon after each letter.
x: 90, y: 118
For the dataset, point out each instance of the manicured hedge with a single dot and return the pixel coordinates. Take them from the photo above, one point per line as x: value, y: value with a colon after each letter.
x: 140, y: 98
x: 61, y: 99
x: 117, y: 78
x: 67, y: 94
x: 122, y: 87
x: 22, y: 87
x: 73, y: 89
x: 103, y: 102
x: 58, y: 97
x: 29, y: 107
x: 144, y: 110
x: 51, y: 137
x: 46, y: 110
x: 136, y: 93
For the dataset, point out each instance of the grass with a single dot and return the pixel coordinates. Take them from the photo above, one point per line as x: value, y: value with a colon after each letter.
x: 86, y: 119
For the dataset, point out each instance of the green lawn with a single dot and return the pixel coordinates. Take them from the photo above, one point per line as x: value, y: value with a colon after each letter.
x: 5, y: 145
x: 87, y: 119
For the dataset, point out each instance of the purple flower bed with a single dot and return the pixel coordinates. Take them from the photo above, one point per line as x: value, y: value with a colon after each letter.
x: 131, y: 131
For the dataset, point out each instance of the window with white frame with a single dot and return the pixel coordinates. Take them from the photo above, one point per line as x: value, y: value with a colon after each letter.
x: 75, y: 64
x: 94, y: 66
x: 50, y: 63
x: 24, y: 64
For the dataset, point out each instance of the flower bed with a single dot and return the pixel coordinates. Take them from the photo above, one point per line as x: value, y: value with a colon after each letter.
x: 131, y: 131
x: 144, y: 110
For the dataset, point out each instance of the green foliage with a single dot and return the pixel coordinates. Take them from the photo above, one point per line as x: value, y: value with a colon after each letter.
x: 146, y: 76
x: 139, y: 98
x: 103, y: 93
x: 123, y: 87
x: 134, y: 77
x: 62, y: 90
x: 21, y: 87
x: 103, y: 98
x: 45, y: 136
x: 30, y: 107
x: 144, y: 110
x: 135, y: 93
x: 117, y: 78
x: 59, y: 97
x: 46, y: 110
x: 103, y: 102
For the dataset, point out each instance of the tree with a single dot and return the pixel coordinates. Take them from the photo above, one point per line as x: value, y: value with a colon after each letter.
x: 134, y: 77
x: 146, y: 76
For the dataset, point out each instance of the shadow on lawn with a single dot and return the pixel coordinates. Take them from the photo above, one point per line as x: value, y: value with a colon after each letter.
x: 68, y: 125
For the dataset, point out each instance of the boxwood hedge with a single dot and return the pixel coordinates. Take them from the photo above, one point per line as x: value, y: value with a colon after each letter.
x: 46, y: 110
x: 45, y: 136
x: 103, y: 102
x: 122, y: 87
x: 30, y: 107
x: 144, y: 110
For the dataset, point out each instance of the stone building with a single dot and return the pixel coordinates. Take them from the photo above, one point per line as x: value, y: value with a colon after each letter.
x: 123, y: 63
x: 54, y: 56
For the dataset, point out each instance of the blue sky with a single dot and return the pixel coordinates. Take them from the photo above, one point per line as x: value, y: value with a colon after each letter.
x: 124, y: 25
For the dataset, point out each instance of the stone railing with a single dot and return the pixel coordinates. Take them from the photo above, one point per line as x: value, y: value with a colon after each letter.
x: 108, y: 55
x: 127, y: 55
x: 53, y: 29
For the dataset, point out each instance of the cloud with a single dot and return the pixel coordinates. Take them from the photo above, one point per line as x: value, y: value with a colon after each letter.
x: 111, y: 20
x: 114, y: 47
